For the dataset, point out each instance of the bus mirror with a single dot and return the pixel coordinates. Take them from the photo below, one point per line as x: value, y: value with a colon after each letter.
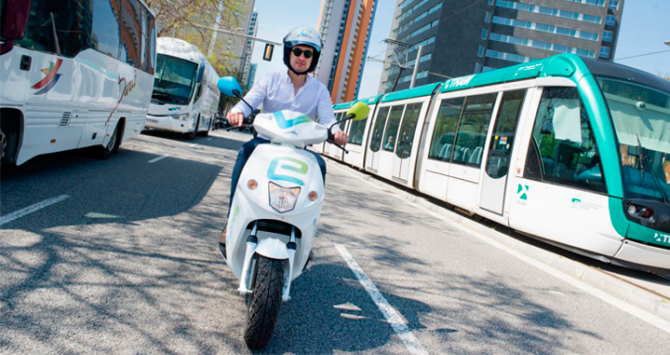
x: 267, y: 54
x: 229, y: 86
x: 14, y: 20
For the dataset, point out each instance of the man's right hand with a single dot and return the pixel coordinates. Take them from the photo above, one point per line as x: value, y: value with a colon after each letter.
x: 235, y: 118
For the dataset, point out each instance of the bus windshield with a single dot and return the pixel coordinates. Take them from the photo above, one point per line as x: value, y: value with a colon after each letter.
x: 175, y: 80
x: 641, y: 116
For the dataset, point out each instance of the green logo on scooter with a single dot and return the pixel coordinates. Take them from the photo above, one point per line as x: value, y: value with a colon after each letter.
x: 288, y: 165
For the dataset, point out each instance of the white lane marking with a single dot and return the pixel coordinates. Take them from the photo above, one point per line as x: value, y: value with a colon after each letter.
x: 391, y: 315
x: 193, y: 145
x: 648, y: 317
x: 30, y: 209
x: 159, y: 158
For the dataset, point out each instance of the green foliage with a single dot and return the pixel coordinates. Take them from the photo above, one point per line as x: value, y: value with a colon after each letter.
x: 184, y: 19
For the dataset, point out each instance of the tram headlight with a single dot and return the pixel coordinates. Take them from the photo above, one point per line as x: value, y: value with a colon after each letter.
x: 283, y: 199
x: 632, y: 210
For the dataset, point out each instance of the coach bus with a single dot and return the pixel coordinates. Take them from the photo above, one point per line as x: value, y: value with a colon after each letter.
x: 569, y: 150
x: 185, y: 97
x: 74, y: 74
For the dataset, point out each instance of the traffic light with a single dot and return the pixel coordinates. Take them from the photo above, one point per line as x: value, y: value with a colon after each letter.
x: 267, y: 54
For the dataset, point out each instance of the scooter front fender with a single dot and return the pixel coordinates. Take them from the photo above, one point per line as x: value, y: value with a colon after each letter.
x: 272, y: 248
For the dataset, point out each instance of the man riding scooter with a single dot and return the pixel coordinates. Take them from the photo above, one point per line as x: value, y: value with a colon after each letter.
x: 292, y: 90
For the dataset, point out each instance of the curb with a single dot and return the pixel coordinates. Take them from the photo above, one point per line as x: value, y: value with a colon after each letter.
x: 624, y: 291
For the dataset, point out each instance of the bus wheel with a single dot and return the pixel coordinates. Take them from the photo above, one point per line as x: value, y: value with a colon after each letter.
x: 107, y: 150
x: 191, y: 135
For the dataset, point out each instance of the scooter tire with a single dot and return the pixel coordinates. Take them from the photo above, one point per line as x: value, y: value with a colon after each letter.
x: 263, y: 308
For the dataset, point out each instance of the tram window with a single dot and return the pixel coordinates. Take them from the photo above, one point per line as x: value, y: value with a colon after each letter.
x: 357, y: 131
x: 473, y: 128
x: 378, y: 129
x: 563, y: 137
x: 504, y: 132
x: 441, y: 145
x: 407, y: 130
x: 391, y: 132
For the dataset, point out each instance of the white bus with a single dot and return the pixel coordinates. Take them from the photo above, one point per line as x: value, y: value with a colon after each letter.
x: 74, y: 74
x: 185, y: 97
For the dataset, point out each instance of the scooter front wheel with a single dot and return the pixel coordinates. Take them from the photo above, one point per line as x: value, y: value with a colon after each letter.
x: 265, y: 302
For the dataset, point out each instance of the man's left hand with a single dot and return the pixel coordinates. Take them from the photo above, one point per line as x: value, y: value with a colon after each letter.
x: 341, y: 138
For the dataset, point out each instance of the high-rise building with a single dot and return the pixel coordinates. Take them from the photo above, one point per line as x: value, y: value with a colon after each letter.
x: 460, y: 37
x: 252, y: 75
x: 252, y: 29
x: 344, y: 27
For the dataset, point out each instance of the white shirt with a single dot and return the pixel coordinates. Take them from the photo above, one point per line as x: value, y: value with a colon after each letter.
x: 276, y: 92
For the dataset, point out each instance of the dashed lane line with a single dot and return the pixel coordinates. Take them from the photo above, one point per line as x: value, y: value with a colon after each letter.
x: 159, y: 158
x: 30, y: 209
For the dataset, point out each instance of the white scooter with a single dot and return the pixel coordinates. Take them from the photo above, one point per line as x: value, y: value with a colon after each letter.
x: 275, y: 211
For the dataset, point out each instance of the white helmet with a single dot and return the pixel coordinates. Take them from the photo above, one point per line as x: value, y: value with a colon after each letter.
x: 302, y: 35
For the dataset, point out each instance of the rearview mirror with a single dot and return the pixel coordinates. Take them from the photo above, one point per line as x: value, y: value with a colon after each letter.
x: 229, y: 86
x: 358, y: 112
x: 13, y: 22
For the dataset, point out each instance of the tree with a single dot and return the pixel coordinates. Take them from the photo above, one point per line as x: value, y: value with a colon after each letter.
x: 183, y: 19
x: 665, y: 76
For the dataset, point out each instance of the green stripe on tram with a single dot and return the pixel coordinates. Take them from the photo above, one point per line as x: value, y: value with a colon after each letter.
x: 343, y: 105
x: 425, y: 90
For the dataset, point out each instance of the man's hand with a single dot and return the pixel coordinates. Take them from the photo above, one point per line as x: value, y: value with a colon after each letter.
x: 235, y: 118
x: 341, y: 138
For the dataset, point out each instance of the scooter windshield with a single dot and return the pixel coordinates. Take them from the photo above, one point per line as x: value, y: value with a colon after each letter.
x: 290, y: 128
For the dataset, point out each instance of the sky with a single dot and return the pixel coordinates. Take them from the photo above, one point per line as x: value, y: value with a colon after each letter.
x: 645, y: 27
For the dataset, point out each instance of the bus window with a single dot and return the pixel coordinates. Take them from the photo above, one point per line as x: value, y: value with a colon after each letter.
x: 504, y: 132
x: 391, y: 132
x: 441, y: 145
x: 563, y: 144
x: 473, y: 128
x: 131, y: 32
x: 58, y: 26
x: 407, y: 130
x: 378, y: 129
x: 106, y: 27
x: 152, y: 43
x: 175, y: 80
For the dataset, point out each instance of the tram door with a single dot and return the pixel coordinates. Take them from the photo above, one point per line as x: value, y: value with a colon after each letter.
x: 500, y: 150
x: 376, y: 137
x: 403, y: 153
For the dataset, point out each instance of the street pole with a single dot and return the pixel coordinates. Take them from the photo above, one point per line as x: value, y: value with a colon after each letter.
x: 416, y: 66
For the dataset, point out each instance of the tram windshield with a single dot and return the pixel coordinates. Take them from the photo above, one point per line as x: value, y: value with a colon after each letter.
x: 641, y: 116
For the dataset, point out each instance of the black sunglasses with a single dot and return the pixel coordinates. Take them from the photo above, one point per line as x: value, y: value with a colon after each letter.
x: 298, y: 52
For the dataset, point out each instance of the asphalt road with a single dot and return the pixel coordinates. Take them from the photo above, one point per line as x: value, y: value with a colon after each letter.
x: 126, y: 262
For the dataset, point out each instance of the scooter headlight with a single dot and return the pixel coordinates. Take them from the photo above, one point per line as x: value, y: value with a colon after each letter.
x: 283, y: 199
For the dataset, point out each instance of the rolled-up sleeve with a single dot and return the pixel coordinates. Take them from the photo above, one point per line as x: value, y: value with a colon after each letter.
x: 254, y: 97
x: 325, y: 109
